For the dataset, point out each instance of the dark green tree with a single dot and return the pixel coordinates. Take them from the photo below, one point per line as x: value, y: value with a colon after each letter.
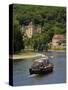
x: 18, y: 43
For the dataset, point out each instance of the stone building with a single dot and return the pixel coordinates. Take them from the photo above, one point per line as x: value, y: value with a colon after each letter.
x: 56, y: 41
x: 31, y: 29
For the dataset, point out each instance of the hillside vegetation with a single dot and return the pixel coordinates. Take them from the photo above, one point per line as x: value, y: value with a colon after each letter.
x: 51, y: 19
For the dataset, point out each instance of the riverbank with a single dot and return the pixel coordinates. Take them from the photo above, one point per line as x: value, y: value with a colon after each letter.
x: 29, y: 55
x: 25, y: 56
x: 58, y: 50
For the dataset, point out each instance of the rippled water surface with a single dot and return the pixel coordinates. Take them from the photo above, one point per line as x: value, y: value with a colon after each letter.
x: 21, y: 74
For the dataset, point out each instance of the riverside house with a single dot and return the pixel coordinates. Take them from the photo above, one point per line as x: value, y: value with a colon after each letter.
x: 58, y: 41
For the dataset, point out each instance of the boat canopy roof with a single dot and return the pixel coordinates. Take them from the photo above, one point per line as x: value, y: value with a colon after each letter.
x: 42, y: 59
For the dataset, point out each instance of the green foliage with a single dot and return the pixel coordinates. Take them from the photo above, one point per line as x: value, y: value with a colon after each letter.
x: 17, y: 37
x: 51, y: 19
x: 61, y: 42
x: 40, y: 15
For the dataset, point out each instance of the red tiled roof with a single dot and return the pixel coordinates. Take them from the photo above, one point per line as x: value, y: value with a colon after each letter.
x: 58, y: 37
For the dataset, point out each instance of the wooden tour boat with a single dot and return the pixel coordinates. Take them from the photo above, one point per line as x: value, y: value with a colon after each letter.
x: 41, y: 66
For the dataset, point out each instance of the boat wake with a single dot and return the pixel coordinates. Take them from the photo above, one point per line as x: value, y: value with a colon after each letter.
x: 32, y: 75
x: 43, y: 56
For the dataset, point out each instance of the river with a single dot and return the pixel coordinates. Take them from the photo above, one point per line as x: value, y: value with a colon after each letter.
x: 22, y: 77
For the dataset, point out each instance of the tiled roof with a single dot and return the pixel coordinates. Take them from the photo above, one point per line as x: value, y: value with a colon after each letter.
x: 58, y: 37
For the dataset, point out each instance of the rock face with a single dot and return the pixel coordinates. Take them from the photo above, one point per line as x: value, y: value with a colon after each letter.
x: 31, y: 29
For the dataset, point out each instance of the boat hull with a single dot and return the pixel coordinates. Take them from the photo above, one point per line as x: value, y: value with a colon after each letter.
x: 44, y: 70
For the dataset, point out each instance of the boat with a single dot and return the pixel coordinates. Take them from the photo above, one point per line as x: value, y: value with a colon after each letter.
x: 41, y: 66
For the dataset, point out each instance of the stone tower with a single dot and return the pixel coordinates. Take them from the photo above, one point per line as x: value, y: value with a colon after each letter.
x: 29, y: 30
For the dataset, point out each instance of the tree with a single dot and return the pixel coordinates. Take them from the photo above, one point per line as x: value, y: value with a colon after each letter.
x: 51, y: 19
x: 18, y: 43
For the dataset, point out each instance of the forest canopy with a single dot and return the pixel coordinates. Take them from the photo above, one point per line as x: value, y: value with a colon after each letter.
x: 40, y: 15
x: 52, y: 20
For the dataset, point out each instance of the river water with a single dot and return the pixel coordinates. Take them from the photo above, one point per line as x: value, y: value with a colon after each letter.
x: 21, y: 75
